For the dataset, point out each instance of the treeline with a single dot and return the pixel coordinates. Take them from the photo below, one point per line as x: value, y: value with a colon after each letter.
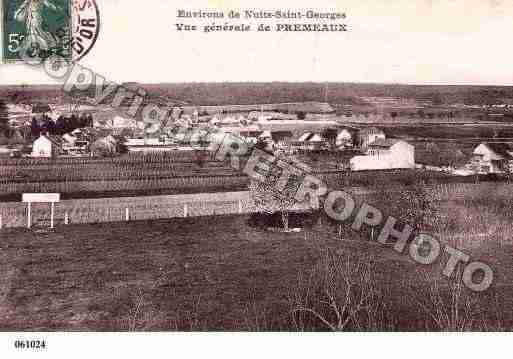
x: 61, y: 126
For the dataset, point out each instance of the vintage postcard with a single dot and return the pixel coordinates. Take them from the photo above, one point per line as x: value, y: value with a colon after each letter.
x: 241, y: 166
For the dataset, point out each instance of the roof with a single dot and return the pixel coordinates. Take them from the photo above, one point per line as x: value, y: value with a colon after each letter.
x: 370, y: 131
x: 69, y: 138
x: 344, y: 131
x: 55, y: 140
x: 281, y: 135
x: 384, y: 142
x: 344, y: 134
x: 503, y: 149
x: 310, y: 137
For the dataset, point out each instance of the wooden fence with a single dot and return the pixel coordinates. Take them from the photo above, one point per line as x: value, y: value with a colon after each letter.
x: 14, y: 214
x: 81, y: 211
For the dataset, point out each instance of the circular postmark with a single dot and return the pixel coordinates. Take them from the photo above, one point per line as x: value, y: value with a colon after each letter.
x: 85, y: 27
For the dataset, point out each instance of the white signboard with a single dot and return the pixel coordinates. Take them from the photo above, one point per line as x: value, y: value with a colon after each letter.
x: 41, y: 197
x: 30, y: 198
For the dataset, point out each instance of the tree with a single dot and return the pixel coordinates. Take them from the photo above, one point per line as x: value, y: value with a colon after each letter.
x: 200, y: 157
x: 4, y: 117
x: 16, y: 139
x: 269, y: 199
x: 266, y: 200
x: 60, y: 125
x: 121, y: 147
x: 3, y: 139
x: 34, y: 128
x: 437, y: 99
x: 330, y: 134
x: 103, y: 148
x: 340, y: 293
x: 49, y: 124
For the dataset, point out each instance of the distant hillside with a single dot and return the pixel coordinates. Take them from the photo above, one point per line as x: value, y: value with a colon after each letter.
x: 210, y: 94
x: 337, y: 93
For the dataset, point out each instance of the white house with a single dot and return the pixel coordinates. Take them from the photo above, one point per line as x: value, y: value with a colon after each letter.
x: 344, y: 139
x: 46, y: 147
x: 492, y: 158
x: 367, y: 136
x: 385, y: 154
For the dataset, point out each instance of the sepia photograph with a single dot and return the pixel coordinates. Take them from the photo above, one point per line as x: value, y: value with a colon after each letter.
x: 270, y: 167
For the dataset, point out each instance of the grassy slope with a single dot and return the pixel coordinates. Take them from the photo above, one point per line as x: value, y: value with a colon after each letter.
x: 182, y: 274
x: 217, y: 273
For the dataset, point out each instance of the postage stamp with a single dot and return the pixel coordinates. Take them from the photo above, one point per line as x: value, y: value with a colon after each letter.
x: 38, y: 28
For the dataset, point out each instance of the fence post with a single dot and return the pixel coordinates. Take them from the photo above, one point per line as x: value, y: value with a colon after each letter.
x: 185, y: 210
x: 127, y: 214
x: 52, y: 212
x: 29, y: 218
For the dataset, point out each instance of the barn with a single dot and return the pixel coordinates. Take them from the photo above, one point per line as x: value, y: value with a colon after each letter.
x: 385, y: 154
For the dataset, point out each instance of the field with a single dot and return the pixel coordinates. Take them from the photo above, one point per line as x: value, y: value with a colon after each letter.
x: 229, y: 273
x: 467, y: 132
x: 197, y: 172
x: 127, y: 175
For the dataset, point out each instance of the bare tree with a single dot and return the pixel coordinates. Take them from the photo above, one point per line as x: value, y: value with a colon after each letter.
x: 341, y: 294
x: 449, y: 306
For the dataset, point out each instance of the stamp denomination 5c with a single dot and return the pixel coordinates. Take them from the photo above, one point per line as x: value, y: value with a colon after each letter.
x: 37, y: 28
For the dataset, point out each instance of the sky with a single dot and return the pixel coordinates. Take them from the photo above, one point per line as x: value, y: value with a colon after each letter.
x: 389, y: 41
